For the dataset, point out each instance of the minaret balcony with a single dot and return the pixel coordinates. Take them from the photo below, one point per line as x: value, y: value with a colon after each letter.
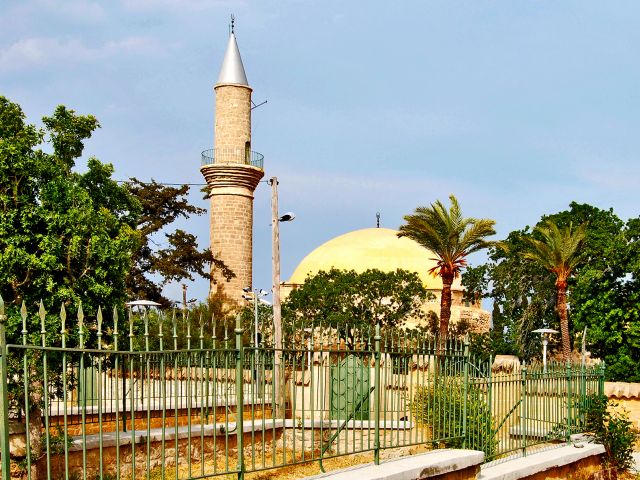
x: 232, y: 156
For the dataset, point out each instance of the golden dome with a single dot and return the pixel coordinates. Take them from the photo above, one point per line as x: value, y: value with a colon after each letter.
x: 378, y: 248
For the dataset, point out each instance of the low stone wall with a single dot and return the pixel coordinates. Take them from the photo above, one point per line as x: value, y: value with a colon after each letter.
x: 216, y: 444
x: 578, y: 460
x: 447, y: 464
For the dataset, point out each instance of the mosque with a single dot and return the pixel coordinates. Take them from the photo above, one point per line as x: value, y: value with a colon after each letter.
x: 232, y: 171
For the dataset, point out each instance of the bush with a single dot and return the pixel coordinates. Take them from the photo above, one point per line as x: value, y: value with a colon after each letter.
x: 611, y: 427
x: 440, y: 406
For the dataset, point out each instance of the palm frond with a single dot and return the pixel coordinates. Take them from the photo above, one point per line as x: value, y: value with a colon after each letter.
x: 444, y: 231
x: 559, y: 249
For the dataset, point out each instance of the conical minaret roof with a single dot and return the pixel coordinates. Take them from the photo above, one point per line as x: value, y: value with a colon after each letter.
x: 232, y: 70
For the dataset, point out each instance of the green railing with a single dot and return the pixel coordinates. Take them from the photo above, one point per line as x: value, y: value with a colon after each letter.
x: 232, y: 156
x: 174, y: 397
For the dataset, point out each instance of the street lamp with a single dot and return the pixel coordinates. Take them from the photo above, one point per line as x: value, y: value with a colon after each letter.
x: 255, y: 296
x: 278, y: 378
x: 544, y: 334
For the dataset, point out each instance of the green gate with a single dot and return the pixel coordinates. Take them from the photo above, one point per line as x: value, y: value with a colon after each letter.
x: 350, y: 389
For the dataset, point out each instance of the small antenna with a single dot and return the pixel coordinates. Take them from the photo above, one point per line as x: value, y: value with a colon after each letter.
x: 253, y: 104
x: 377, y: 219
x: 233, y: 24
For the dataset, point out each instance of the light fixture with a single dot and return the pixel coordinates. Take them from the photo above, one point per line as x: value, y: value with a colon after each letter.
x: 287, y: 217
x: 544, y: 335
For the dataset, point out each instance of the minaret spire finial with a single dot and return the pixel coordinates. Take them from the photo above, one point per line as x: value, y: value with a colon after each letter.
x: 377, y: 219
x: 233, y: 24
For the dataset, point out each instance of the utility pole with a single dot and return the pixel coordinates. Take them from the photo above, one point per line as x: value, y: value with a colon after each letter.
x: 278, y: 377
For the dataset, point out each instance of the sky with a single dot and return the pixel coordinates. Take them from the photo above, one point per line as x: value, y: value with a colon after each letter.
x: 517, y: 107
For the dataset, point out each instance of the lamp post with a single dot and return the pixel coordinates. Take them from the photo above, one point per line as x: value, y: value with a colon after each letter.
x: 255, y: 296
x: 544, y: 335
x: 278, y: 378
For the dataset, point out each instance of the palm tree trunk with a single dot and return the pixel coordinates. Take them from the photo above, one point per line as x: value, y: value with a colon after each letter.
x: 445, y: 304
x: 561, y: 306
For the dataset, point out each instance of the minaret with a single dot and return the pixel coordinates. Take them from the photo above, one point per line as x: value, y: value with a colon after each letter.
x: 232, y: 172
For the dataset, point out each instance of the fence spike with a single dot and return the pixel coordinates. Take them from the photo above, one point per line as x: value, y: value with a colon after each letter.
x: 188, y: 321
x: 161, y: 330
x: 63, y: 325
x: 43, y: 331
x: 23, y: 314
x: 214, y: 324
x: 115, y: 328
x: 145, y: 320
x: 99, y: 332
x: 130, y: 329
x: 201, y: 332
x: 175, y: 329
x: 81, y: 324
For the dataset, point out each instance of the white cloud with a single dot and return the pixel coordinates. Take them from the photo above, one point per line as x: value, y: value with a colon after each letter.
x: 37, y: 52
x: 83, y: 10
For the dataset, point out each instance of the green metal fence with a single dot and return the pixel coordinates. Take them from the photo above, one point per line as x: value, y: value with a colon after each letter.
x: 184, y: 399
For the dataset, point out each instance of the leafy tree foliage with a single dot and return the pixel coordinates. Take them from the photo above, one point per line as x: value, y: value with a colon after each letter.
x: 178, y: 257
x: 451, y: 237
x: 603, y: 294
x: 351, y: 302
x: 65, y: 236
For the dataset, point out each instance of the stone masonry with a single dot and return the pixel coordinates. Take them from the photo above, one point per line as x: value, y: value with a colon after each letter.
x: 232, y: 131
x: 232, y: 181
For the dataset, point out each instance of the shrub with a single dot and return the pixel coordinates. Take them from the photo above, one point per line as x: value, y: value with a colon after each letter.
x: 611, y: 427
x: 440, y: 405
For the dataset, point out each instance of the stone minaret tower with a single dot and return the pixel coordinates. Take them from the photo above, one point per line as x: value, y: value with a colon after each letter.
x: 232, y: 172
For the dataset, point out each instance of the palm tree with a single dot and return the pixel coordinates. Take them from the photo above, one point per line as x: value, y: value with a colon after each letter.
x: 558, y: 252
x: 451, y: 237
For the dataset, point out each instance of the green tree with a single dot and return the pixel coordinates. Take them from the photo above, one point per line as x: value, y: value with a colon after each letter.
x: 353, y: 303
x: 175, y: 258
x: 65, y: 237
x: 451, y: 237
x: 559, y: 252
x: 603, y: 292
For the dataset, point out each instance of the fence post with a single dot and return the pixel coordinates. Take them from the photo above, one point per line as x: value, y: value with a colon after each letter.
x: 569, y: 400
x: 466, y: 391
x: 601, y: 379
x: 239, y: 396
x: 523, y: 416
x: 376, y: 444
x: 4, y: 408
